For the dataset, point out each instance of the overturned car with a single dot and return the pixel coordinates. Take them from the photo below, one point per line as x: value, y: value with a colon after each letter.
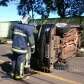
x: 55, y: 43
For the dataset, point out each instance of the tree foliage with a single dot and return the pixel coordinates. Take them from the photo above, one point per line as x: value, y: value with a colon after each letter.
x: 75, y: 7
x: 67, y: 8
x: 64, y: 8
x: 25, y: 6
x: 40, y: 8
x: 60, y: 8
x: 4, y: 2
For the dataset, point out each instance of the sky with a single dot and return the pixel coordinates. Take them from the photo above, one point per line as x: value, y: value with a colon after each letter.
x: 10, y: 13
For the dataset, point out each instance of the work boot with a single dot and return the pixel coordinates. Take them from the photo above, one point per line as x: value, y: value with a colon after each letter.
x: 11, y: 75
x: 18, y: 77
x: 29, y: 71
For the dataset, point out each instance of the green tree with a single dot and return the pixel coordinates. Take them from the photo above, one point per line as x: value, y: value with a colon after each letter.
x: 44, y: 7
x: 60, y: 8
x: 4, y: 2
x: 25, y: 6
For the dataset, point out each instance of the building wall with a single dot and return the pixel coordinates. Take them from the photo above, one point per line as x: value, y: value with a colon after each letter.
x: 4, y: 29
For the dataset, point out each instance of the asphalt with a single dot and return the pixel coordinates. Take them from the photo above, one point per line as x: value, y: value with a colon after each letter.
x: 74, y: 74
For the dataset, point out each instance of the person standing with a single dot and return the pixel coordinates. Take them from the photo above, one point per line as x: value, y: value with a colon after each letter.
x: 22, y: 35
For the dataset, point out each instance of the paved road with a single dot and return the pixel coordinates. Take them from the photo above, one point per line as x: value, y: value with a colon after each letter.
x: 73, y: 75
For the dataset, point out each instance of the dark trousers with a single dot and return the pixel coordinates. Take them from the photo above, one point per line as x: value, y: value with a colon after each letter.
x: 18, y: 63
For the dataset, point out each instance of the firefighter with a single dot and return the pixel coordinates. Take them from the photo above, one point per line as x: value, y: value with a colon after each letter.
x: 23, y: 34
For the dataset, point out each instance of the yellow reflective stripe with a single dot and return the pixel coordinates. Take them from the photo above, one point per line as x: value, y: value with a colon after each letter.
x: 33, y: 46
x: 20, y: 33
x: 18, y: 50
x: 27, y: 66
x: 21, y: 69
x: 28, y: 44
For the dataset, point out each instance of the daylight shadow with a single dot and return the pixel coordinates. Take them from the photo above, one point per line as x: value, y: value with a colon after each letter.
x: 9, y: 55
x: 6, y: 67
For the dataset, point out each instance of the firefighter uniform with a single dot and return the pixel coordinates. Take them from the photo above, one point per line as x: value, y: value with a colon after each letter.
x: 23, y: 34
x: 30, y: 51
x: 27, y: 58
